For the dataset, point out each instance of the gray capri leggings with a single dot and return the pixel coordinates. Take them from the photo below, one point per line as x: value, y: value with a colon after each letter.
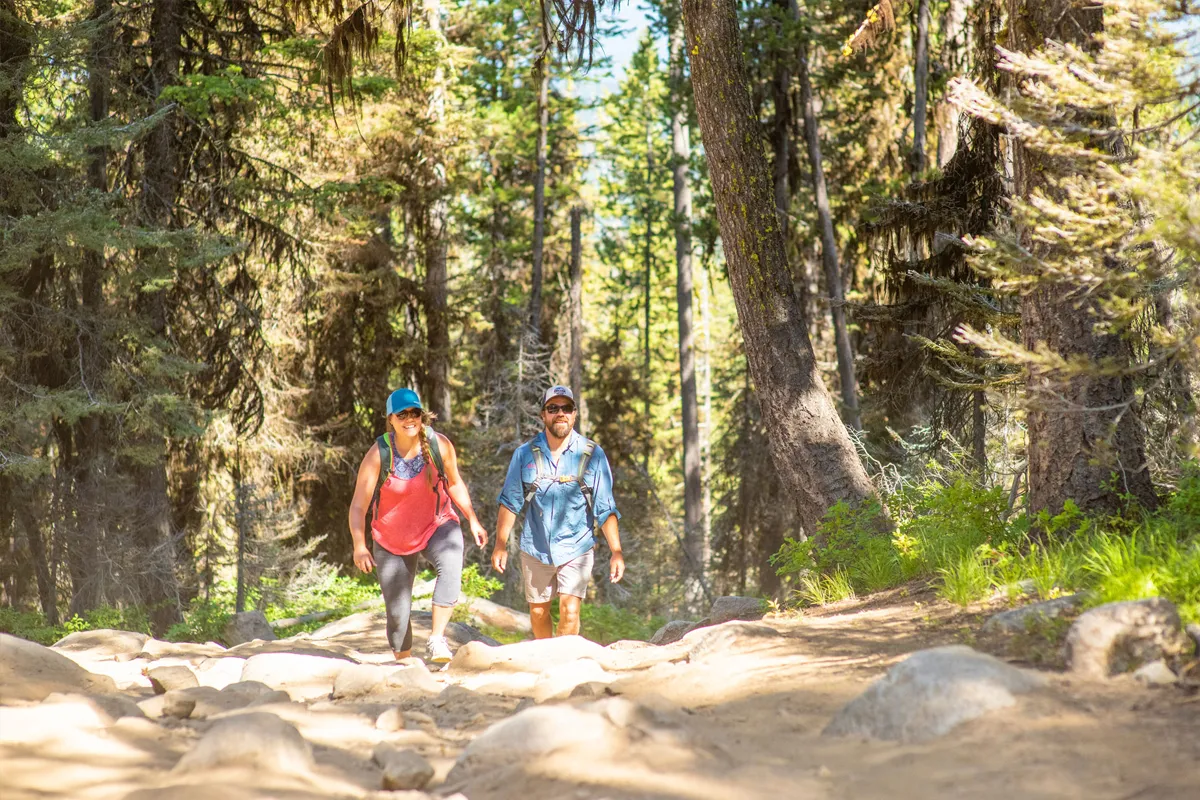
x: 396, y: 573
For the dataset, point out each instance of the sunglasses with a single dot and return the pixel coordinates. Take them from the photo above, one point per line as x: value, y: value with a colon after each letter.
x: 409, y: 413
x: 556, y: 409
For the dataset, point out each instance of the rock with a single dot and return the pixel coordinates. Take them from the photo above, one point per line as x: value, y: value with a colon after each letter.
x: 695, y: 626
x: 30, y: 672
x: 460, y: 633
x: 391, y: 720
x: 592, y: 690
x: 414, y: 677
x: 164, y: 679
x: 733, y: 607
x: 1117, y: 637
x: 726, y: 639
x: 498, y: 616
x: 1156, y: 673
x: 246, y: 626
x: 420, y: 718
x: 931, y: 692
x: 102, y: 642
x: 252, y: 690
x: 219, y: 672
x: 48, y: 721
x: 536, y: 731
x: 258, y: 740
x: 625, y: 645
x: 178, y: 705
x: 673, y: 631
x: 402, y: 769
x: 210, y: 702
x: 1193, y: 631
x: 305, y: 677
x: 1018, y: 620
x: 532, y: 656
x: 356, y: 680
x: 456, y: 695
x: 558, y: 682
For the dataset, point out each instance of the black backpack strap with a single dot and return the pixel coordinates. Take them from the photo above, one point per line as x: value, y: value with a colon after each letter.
x: 386, y: 462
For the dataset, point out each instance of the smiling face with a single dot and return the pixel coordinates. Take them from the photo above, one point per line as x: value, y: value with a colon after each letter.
x: 558, y: 416
x: 406, y: 422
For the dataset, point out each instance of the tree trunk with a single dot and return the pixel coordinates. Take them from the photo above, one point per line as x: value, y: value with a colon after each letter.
x: 436, y: 275
x: 1085, y: 430
x: 157, y: 585
x: 979, y: 431
x: 952, y: 58
x: 829, y: 252
x: 539, y: 195
x: 47, y: 591
x: 648, y: 275
x: 920, y: 87
x: 694, y: 541
x: 577, y: 312
x: 782, y: 134
x: 812, y: 451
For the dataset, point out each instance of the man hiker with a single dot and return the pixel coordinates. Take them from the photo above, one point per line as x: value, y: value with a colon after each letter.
x: 565, y: 481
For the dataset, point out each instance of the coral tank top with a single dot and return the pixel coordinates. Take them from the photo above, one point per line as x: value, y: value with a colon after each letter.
x: 409, y: 511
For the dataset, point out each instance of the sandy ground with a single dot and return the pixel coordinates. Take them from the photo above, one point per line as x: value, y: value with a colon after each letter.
x: 738, y: 723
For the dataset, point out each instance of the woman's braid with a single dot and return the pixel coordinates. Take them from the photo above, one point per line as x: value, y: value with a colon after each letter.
x: 428, y: 454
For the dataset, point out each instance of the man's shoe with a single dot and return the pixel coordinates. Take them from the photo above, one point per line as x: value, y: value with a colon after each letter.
x: 438, y: 650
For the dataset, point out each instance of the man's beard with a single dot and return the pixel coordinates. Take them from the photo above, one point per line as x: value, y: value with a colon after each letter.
x: 560, y: 429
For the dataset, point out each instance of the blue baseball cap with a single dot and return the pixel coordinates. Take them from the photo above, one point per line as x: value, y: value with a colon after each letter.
x: 557, y: 391
x: 402, y: 399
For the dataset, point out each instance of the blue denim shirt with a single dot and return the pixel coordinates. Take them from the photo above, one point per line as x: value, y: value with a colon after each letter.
x: 557, y: 525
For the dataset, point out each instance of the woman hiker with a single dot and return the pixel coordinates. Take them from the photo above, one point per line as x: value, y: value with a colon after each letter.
x: 412, y: 516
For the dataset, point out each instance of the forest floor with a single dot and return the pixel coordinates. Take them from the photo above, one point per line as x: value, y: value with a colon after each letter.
x: 733, y: 711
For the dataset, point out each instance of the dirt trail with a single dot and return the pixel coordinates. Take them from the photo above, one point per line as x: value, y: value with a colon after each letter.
x: 740, y: 717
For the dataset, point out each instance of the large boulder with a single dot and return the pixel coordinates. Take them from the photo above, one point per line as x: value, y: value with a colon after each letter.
x: 1119, y: 637
x: 191, y: 652
x: 102, y: 643
x: 30, y: 671
x: 733, y: 607
x: 498, y: 616
x: 532, y: 656
x: 305, y: 677
x: 258, y: 740
x: 1018, y: 620
x: 246, y: 626
x: 361, y: 680
x: 930, y: 693
x: 673, y: 631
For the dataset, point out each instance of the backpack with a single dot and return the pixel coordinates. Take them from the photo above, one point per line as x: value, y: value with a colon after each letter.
x: 543, y: 473
x: 386, y: 464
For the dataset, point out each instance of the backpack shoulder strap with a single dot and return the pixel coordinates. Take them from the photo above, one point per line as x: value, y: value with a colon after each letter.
x: 539, y: 464
x: 386, y: 462
x: 585, y: 458
x: 435, y: 450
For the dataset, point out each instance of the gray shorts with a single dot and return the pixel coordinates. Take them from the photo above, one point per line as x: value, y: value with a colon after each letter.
x: 543, y: 581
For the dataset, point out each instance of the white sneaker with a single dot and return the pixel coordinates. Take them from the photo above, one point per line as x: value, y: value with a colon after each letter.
x: 438, y: 650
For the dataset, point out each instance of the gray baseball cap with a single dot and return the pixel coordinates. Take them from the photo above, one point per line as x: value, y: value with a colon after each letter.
x: 557, y: 391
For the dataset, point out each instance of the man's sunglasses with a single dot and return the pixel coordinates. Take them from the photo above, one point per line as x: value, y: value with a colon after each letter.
x: 556, y: 409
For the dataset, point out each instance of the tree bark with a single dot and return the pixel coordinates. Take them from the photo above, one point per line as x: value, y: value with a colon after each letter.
x: 1084, y: 430
x: 920, y: 87
x: 952, y: 58
x: 695, y: 543
x: 782, y: 134
x: 648, y: 275
x: 157, y: 584
x: 577, y: 312
x: 812, y: 451
x: 436, y: 274
x: 539, y: 195
x: 847, y: 374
